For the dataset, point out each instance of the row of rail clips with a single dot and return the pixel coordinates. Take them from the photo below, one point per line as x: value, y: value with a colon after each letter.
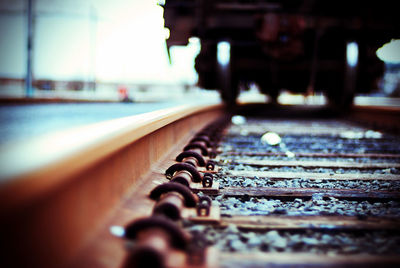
x: 160, y: 240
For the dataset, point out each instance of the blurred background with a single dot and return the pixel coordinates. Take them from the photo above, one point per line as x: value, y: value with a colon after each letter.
x: 88, y: 61
x: 92, y: 49
x: 111, y: 51
x: 54, y: 51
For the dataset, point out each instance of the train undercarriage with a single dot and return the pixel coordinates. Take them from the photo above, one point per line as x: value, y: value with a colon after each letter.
x: 303, y: 46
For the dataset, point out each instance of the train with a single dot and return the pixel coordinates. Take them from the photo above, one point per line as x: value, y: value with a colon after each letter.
x: 303, y: 46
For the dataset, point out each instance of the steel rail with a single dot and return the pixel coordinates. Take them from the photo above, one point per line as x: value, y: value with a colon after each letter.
x: 380, y: 116
x: 352, y: 194
x: 310, y: 260
x: 314, y: 164
x: 281, y: 222
x: 56, y: 190
x: 321, y: 155
x: 275, y: 175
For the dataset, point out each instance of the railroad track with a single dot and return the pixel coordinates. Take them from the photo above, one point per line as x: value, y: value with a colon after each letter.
x: 197, y: 188
x: 318, y: 193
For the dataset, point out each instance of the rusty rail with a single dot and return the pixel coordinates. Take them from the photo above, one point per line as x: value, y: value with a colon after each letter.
x: 57, y: 191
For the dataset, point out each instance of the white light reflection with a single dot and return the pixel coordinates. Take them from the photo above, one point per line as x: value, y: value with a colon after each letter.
x: 118, y: 231
x: 194, y: 41
x: 271, y: 138
x: 390, y: 52
x: 238, y: 120
x: 352, y: 54
x: 183, y: 58
x: 223, y: 53
x: 167, y: 33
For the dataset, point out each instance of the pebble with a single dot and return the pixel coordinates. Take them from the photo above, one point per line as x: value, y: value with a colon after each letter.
x: 237, y: 245
x: 248, y: 183
x: 273, y: 238
x: 271, y: 138
x: 317, y: 196
x: 290, y: 154
x: 370, y: 134
x: 238, y: 120
x: 198, y: 228
x: 254, y: 241
x: 310, y: 241
x: 232, y: 229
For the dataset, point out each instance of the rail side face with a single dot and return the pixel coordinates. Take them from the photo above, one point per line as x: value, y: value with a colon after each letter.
x: 49, y: 210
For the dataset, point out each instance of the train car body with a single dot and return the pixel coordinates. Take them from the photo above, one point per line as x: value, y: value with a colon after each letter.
x: 299, y: 45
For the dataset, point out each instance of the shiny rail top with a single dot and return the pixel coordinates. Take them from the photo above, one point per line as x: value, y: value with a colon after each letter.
x: 79, y: 147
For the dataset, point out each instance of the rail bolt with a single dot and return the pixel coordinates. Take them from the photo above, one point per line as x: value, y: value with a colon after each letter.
x: 204, y: 205
x: 207, y: 180
x: 201, y: 138
x: 210, y: 165
x: 189, y: 198
x: 171, y: 198
x: 197, y: 145
x: 182, y: 177
x: 203, y: 210
x: 212, y: 153
x: 170, y: 172
x: 154, y: 237
x: 205, y: 200
x: 191, y: 154
x: 169, y: 205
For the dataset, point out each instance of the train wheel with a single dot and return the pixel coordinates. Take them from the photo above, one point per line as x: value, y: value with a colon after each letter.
x: 229, y: 92
x: 341, y: 98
